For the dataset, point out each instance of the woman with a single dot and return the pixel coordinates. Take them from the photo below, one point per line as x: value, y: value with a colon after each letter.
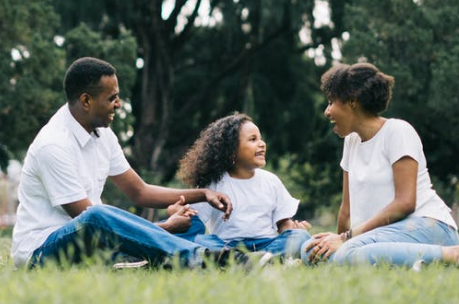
x: 389, y: 212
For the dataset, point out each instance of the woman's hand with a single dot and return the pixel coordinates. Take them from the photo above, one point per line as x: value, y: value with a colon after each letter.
x: 324, y: 245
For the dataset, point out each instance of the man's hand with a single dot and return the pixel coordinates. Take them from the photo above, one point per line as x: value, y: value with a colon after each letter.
x: 180, y: 220
x: 221, y: 202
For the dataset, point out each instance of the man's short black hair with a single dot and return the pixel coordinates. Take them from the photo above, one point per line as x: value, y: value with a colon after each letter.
x: 84, y: 75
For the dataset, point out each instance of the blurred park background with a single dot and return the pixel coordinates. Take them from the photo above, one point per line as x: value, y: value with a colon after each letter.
x: 182, y: 64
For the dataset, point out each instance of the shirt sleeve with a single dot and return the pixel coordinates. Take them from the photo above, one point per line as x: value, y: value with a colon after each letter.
x: 286, y: 205
x: 403, y: 140
x: 118, y: 161
x: 58, y: 171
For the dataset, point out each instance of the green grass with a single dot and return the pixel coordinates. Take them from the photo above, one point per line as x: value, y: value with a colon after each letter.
x: 273, y: 284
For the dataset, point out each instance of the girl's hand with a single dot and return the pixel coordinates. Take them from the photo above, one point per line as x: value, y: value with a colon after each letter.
x: 172, y: 209
x: 324, y: 245
x: 301, y: 225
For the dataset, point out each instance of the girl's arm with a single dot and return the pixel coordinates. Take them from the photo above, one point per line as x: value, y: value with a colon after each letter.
x: 405, y: 172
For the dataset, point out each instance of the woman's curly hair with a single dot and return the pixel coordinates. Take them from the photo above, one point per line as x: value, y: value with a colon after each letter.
x: 213, y: 153
x: 360, y: 81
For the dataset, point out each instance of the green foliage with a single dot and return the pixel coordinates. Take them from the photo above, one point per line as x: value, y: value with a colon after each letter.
x: 29, y: 84
x: 416, y: 42
x: 121, y: 52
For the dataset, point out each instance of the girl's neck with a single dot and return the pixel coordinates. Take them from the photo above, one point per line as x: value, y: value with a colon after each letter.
x: 241, y: 173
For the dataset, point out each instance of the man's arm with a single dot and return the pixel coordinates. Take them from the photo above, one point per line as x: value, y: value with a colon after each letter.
x: 75, y: 208
x: 146, y: 195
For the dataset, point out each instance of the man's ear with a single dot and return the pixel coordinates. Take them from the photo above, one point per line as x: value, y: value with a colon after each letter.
x: 85, y: 100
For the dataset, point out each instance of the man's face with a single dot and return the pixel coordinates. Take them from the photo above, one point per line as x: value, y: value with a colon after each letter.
x: 103, y: 105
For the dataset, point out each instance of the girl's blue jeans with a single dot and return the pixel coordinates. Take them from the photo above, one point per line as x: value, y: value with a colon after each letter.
x: 288, y: 243
x: 400, y: 243
x: 106, y: 227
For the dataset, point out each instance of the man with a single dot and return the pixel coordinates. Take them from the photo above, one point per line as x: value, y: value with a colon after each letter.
x: 61, y: 215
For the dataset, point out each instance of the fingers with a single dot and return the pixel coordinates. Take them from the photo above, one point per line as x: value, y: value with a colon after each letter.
x: 302, y: 225
x: 183, y: 210
x: 227, y: 207
x: 320, y: 251
x: 181, y: 200
x: 306, y: 225
x: 321, y: 235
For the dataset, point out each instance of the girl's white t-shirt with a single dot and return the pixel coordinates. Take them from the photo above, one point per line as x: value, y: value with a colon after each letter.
x: 258, y: 204
x: 371, y: 183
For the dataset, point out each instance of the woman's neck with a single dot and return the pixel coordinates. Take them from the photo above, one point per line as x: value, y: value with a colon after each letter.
x: 369, y: 126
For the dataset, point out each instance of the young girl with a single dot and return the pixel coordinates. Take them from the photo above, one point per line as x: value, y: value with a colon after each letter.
x: 228, y: 157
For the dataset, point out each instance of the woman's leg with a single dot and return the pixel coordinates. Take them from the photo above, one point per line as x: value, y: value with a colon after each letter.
x: 400, y: 243
x: 111, y: 228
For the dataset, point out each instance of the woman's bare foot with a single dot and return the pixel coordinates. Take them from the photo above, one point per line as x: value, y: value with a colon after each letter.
x: 450, y: 254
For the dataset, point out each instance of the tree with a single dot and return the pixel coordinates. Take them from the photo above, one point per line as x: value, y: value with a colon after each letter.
x: 31, y: 66
x: 417, y: 42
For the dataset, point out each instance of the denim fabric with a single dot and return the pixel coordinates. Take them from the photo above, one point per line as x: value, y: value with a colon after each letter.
x: 113, y: 229
x: 400, y: 243
x: 197, y: 227
x: 287, y: 243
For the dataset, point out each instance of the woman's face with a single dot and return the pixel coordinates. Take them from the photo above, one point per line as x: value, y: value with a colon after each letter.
x: 340, y: 114
x: 252, y: 149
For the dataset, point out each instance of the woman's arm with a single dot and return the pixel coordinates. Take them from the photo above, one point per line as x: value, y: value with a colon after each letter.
x: 405, y: 172
x: 344, y: 210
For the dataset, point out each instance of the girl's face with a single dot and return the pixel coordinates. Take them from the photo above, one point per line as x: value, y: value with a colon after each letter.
x: 340, y: 114
x: 251, y: 151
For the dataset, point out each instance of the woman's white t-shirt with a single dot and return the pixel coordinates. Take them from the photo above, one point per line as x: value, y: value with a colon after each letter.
x: 371, y: 183
x: 258, y: 204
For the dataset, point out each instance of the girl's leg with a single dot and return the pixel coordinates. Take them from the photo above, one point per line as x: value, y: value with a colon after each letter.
x: 111, y: 228
x: 210, y: 241
x: 400, y: 243
x: 288, y: 243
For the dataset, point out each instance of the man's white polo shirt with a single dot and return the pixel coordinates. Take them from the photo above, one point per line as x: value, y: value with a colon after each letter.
x: 63, y: 164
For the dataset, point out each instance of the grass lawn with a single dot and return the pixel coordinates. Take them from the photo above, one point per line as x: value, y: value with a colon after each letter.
x: 272, y: 284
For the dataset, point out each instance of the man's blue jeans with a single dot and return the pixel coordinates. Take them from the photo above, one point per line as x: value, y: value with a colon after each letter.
x: 400, y: 243
x: 110, y: 228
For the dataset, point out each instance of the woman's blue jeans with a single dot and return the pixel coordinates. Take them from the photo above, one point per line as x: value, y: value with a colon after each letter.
x: 110, y: 228
x: 400, y: 243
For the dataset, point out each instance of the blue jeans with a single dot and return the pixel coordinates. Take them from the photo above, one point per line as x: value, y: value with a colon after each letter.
x: 287, y: 243
x: 197, y: 227
x: 400, y: 243
x: 105, y: 227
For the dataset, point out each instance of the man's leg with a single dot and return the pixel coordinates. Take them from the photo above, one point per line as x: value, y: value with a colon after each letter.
x: 197, y: 227
x: 111, y: 228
